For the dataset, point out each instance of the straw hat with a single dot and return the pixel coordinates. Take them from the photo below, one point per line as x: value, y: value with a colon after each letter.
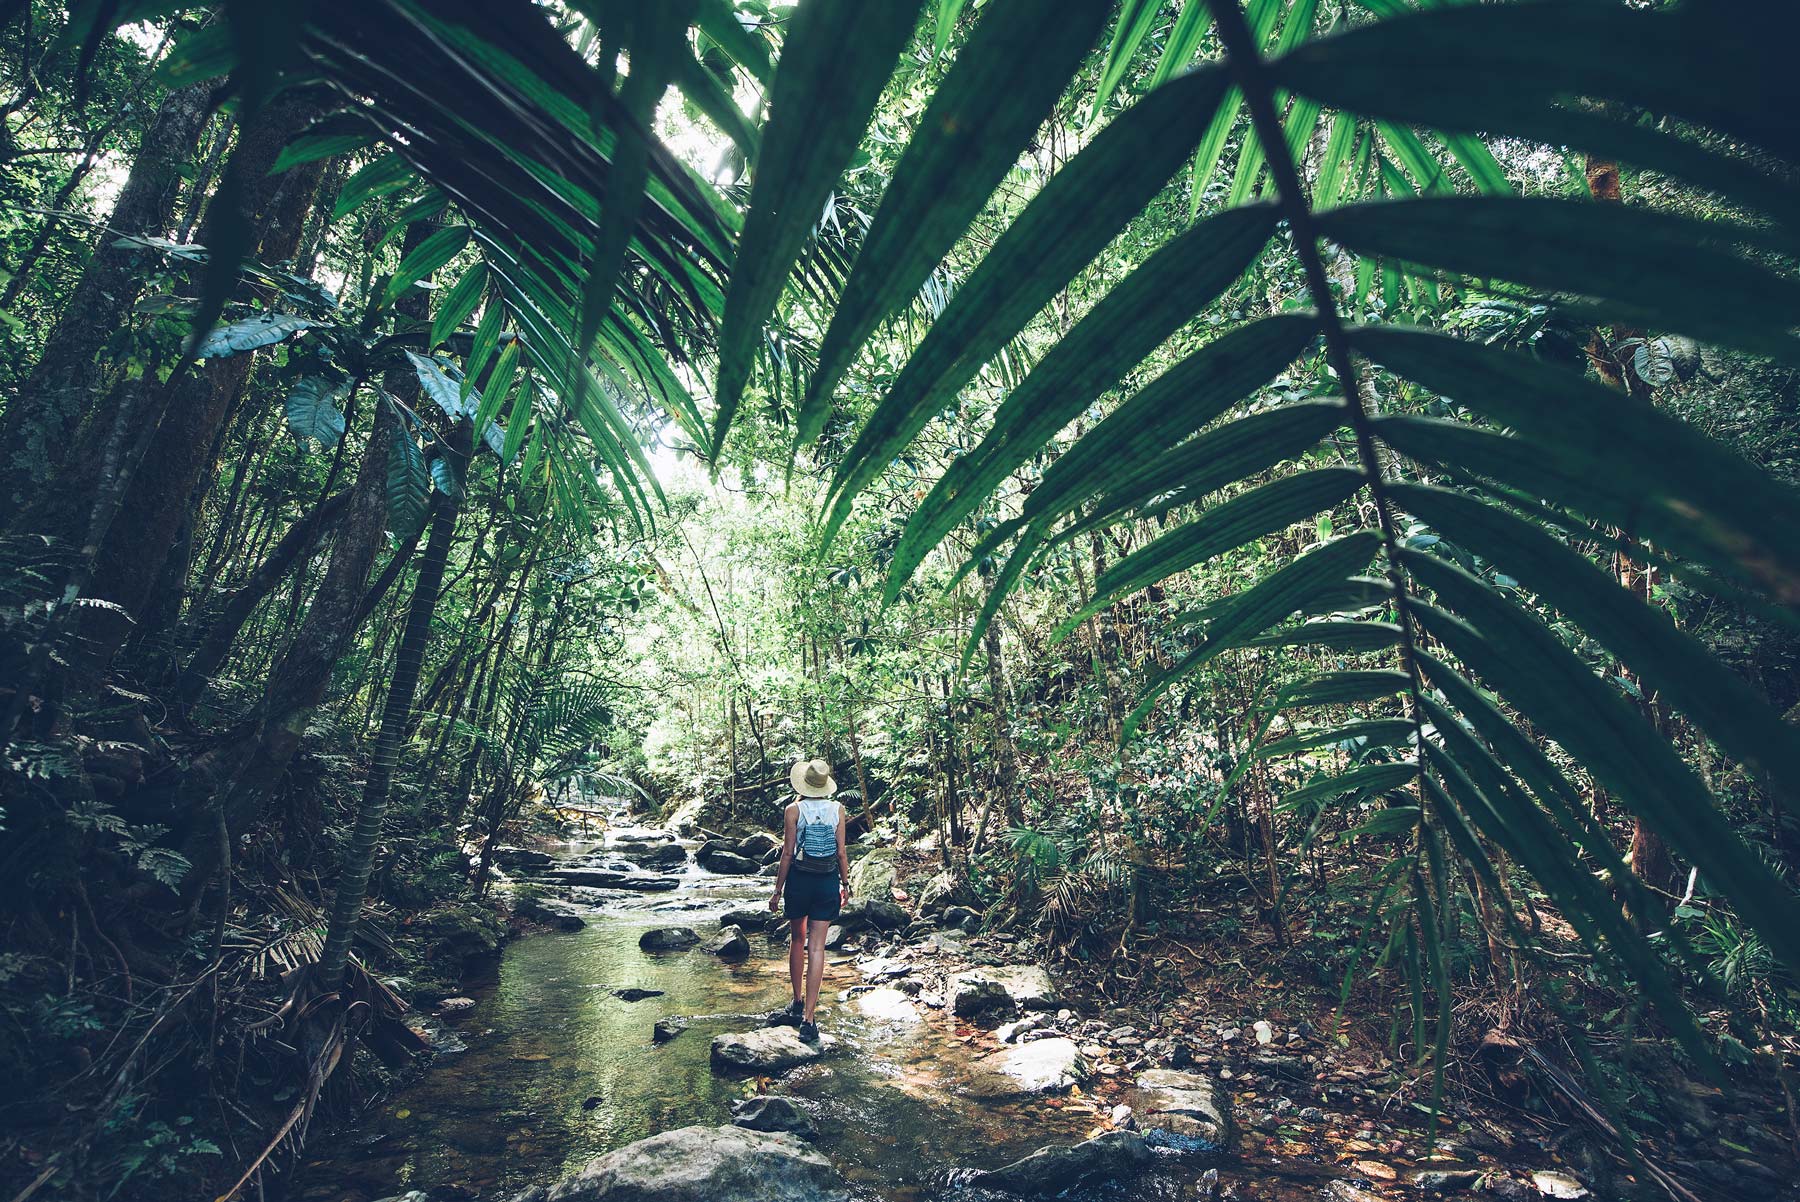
x: 812, y: 778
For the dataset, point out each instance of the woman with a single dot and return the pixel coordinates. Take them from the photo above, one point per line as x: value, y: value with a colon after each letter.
x: 814, y: 879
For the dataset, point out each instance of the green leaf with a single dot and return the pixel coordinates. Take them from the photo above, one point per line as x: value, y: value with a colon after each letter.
x: 1668, y: 272
x: 1261, y: 16
x: 1261, y: 606
x: 1161, y: 296
x: 389, y: 173
x: 1690, y: 61
x: 981, y: 118
x: 437, y: 385
x: 1135, y: 20
x: 1343, y: 688
x: 1186, y: 475
x: 1184, y: 38
x: 310, y: 147
x: 718, y: 20
x: 446, y: 476
x: 1591, y: 447
x: 1360, y: 781
x: 312, y: 411
x: 1675, y: 664
x: 1329, y: 183
x: 457, y: 304
x: 408, y: 484
x: 1558, y: 693
x: 1373, y: 732
x: 517, y: 422
x: 252, y: 333
x: 1126, y: 458
x: 1260, y: 511
x: 1337, y: 636
x: 426, y: 258
x: 1069, y: 221
x: 838, y: 55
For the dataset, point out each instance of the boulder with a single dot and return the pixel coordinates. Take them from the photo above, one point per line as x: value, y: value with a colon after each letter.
x: 1025, y: 986
x: 729, y: 944
x: 880, y: 915
x: 750, y: 918
x: 1050, y: 1171
x: 1185, y: 1104
x: 614, y: 878
x: 728, y: 862
x: 655, y: 855
x: 767, y: 1050
x: 668, y: 939
x: 872, y: 876
x: 1039, y: 1067
x: 758, y: 846
x: 943, y: 890
x: 668, y: 1027
x: 559, y: 914
x: 959, y: 917
x: 703, y: 1164
x: 766, y: 1113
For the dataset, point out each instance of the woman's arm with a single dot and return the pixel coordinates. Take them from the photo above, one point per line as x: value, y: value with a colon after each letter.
x: 843, y: 860
x: 787, y: 854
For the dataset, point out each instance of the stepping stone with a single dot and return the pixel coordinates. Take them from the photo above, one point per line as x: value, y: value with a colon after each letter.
x: 1042, y: 1066
x: 768, y: 1050
x: 668, y: 939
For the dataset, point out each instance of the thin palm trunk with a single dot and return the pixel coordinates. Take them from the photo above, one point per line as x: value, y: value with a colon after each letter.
x: 359, y: 855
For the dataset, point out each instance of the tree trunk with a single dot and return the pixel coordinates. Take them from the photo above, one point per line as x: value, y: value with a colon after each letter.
x: 38, y: 426
x: 141, y: 536
x: 359, y: 854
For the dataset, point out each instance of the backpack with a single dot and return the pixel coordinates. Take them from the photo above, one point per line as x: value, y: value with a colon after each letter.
x: 815, y: 836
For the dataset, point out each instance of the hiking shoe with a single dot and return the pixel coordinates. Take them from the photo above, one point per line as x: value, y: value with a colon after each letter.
x: 790, y: 1017
x: 809, y: 1032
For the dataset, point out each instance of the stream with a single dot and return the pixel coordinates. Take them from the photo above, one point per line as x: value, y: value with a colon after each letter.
x: 558, y: 1071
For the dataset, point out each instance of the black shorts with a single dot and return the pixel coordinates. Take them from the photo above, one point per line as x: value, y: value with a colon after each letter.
x: 811, y: 895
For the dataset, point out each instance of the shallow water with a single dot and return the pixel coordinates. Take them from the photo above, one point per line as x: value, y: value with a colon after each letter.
x: 559, y: 1071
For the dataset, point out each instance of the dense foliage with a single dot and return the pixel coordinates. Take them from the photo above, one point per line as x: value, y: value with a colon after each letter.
x: 1331, y: 461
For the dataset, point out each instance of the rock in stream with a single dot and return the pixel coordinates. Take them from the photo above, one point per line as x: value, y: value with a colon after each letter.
x: 1051, y: 1171
x: 703, y: 1164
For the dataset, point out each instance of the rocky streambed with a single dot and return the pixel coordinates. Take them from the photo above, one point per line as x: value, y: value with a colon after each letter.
x: 625, y: 1054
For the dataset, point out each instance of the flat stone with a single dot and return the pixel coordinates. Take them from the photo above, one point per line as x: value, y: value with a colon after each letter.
x: 1054, y: 1170
x: 729, y: 944
x: 668, y: 1027
x: 562, y: 915
x: 767, y: 1050
x: 887, y: 1005
x: 704, y: 1164
x: 641, y: 834
x: 522, y: 857
x: 1185, y: 1104
x: 884, y: 968
x: 612, y: 878
x: 455, y: 1005
x: 668, y: 939
x: 767, y: 1113
x: 1558, y: 1185
x: 662, y: 855
x: 1018, y: 985
x: 634, y: 994
x: 1039, y: 1067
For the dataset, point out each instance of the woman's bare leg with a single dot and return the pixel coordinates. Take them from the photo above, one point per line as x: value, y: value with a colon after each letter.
x: 815, y: 962
x: 797, y: 956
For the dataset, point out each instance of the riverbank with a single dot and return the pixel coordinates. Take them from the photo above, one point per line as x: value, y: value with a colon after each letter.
x: 959, y: 1050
